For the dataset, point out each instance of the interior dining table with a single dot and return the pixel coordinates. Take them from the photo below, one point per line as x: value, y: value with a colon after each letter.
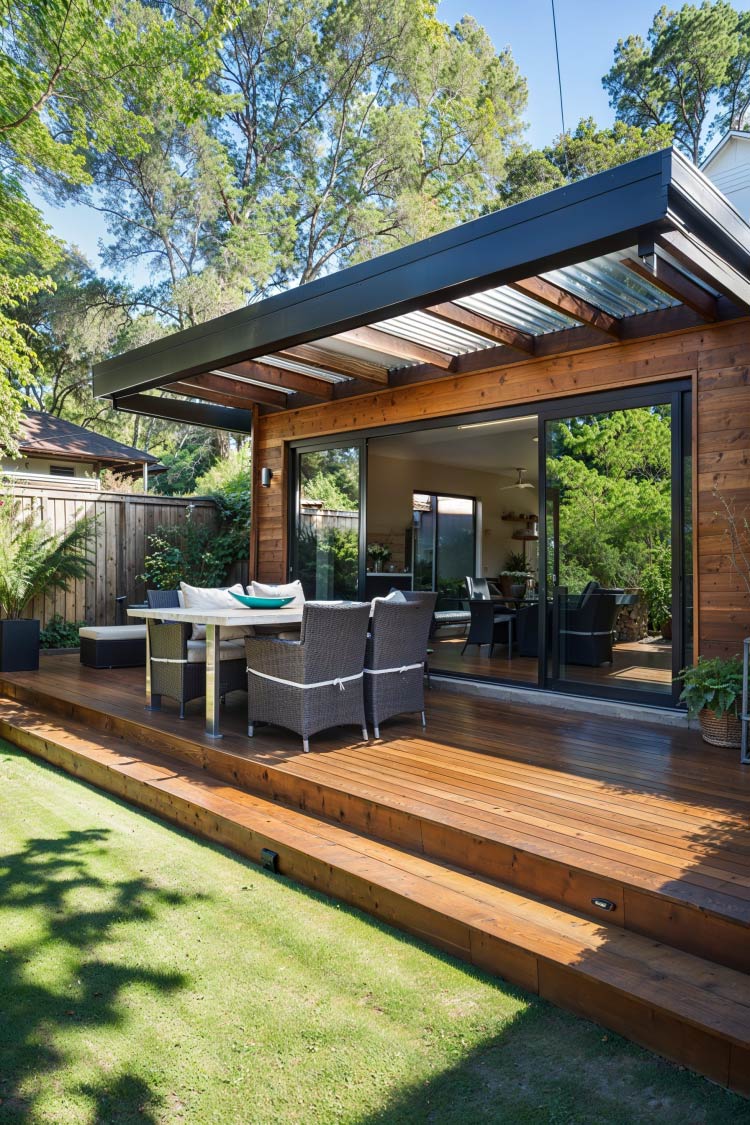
x: 214, y: 620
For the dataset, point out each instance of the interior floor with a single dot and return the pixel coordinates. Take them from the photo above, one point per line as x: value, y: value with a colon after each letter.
x: 639, y: 665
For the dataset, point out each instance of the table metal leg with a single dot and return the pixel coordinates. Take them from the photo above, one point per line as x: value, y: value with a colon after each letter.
x: 745, y: 713
x: 213, y: 681
x: 153, y: 702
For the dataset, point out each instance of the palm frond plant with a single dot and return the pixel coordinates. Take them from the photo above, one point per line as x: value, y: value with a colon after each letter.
x: 34, y: 559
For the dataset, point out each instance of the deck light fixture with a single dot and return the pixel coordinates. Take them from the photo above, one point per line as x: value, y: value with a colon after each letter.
x: 269, y: 859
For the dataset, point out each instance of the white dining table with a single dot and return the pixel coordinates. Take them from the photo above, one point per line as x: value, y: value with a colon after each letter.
x: 214, y: 620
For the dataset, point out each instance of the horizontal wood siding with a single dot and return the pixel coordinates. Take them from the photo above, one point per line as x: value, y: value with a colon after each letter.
x: 119, y: 546
x: 717, y: 357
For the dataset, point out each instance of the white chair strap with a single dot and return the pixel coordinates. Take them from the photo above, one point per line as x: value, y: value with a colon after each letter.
x: 339, y: 681
x: 166, y: 660
x: 386, y: 671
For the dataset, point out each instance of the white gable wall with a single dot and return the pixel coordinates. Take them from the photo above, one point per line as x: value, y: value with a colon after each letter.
x: 728, y: 166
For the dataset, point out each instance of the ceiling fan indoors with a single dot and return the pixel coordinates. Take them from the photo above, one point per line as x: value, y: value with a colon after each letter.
x: 520, y: 483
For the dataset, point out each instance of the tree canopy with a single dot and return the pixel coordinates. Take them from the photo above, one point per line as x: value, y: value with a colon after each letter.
x: 691, y: 74
x: 237, y: 147
x: 320, y: 134
x: 612, y: 476
x: 578, y: 153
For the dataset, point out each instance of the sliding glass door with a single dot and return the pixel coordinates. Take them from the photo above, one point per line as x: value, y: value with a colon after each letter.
x: 327, y: 528
x: 579, y: 515
x: 617, y: 545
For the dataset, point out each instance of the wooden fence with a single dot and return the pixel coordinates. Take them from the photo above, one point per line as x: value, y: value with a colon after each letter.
x: 124, y: 523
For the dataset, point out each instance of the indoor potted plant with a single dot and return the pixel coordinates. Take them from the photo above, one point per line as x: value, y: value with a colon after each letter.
x: 379, y: 554
x: 514, y: 577
x: 712, y: 690
x: 33, y: 560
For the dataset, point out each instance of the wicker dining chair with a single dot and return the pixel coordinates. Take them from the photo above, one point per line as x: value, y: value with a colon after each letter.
x: 395, y: 660
x: 316, y: 682
x: 175, y: 665
x: 427, y: 600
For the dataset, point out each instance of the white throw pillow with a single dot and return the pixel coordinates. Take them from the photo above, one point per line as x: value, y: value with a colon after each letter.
x: 197, y: 597
x: 284, y: 590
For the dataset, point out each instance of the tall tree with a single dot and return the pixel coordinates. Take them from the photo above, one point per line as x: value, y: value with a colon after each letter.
x: 581, y: 152
x: 62, y: 68
x: 692, y: 60
x: 325, y: 132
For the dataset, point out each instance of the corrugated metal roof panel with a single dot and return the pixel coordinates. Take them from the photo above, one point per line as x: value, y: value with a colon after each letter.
x: 517, y: 310
x: 603, y: 282
x: 609, y: 285
x: 301, y: 368
x: 434, y: 333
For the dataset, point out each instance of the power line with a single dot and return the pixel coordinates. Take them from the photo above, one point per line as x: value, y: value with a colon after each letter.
x: 559, y: 86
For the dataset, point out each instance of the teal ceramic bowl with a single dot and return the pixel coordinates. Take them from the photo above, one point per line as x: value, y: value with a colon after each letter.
x: 251, y: 602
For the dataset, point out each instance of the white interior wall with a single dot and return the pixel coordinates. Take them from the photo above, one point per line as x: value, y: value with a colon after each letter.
x: 393, y: 480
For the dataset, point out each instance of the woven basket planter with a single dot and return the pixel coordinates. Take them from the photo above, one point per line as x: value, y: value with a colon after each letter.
x: 724, y: 731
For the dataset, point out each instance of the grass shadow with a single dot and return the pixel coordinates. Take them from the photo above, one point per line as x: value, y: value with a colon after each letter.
x: 77, y: 913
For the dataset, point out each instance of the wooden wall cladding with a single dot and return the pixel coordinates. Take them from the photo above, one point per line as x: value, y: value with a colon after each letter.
x: 717, y: 358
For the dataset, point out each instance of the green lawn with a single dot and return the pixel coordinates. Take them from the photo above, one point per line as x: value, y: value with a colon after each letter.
x: 148, y: 977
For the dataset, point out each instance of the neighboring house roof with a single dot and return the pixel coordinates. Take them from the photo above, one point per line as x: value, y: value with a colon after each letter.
x: 45, y: 435
x: 732, y: 135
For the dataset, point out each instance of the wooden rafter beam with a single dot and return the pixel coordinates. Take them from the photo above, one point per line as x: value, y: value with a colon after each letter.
x: 697, y: 257
x: 561, y: 300
x: 379, y: 341
x: 232, y: 388
x: 281, y: 377
x: 485, y: 326
x: 673, y: 282
x: 352, y: 366
x: 562, y: 342
x: 204, y: 395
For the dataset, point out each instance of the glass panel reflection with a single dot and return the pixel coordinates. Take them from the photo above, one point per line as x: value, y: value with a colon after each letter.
x: 327, y: 548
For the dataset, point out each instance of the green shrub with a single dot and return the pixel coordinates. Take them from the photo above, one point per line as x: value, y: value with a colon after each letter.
x: 59, y: 633
x: 328, y: 562
x: 201, y: 554
x: 656, y: 583
x: 194, y: 553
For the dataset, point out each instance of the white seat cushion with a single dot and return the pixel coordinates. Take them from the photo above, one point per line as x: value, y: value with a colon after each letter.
x: 394, y: 596
x: 283, y: 590
x: 228, y: 650
x: 113, y: 632
x: 198, y: 597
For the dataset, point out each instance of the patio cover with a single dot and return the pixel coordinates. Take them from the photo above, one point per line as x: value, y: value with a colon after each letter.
x: 647, y: 248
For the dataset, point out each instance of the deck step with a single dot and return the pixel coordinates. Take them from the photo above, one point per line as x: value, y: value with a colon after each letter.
x: 688, y: 1009
x: 704, y: 910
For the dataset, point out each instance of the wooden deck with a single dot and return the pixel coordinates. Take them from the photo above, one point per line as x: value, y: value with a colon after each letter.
x: 490, y: 834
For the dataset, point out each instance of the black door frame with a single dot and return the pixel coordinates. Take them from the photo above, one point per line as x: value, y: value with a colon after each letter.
x: 678, y: 393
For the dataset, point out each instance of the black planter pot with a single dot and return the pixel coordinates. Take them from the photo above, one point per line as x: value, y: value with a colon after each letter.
x: 19, y: 646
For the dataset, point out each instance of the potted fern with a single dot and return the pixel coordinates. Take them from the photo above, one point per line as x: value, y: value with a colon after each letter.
x: 712, y: 690
x: 33, y: 560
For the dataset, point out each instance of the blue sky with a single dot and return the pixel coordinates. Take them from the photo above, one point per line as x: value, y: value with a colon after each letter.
x: 587, y: 30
